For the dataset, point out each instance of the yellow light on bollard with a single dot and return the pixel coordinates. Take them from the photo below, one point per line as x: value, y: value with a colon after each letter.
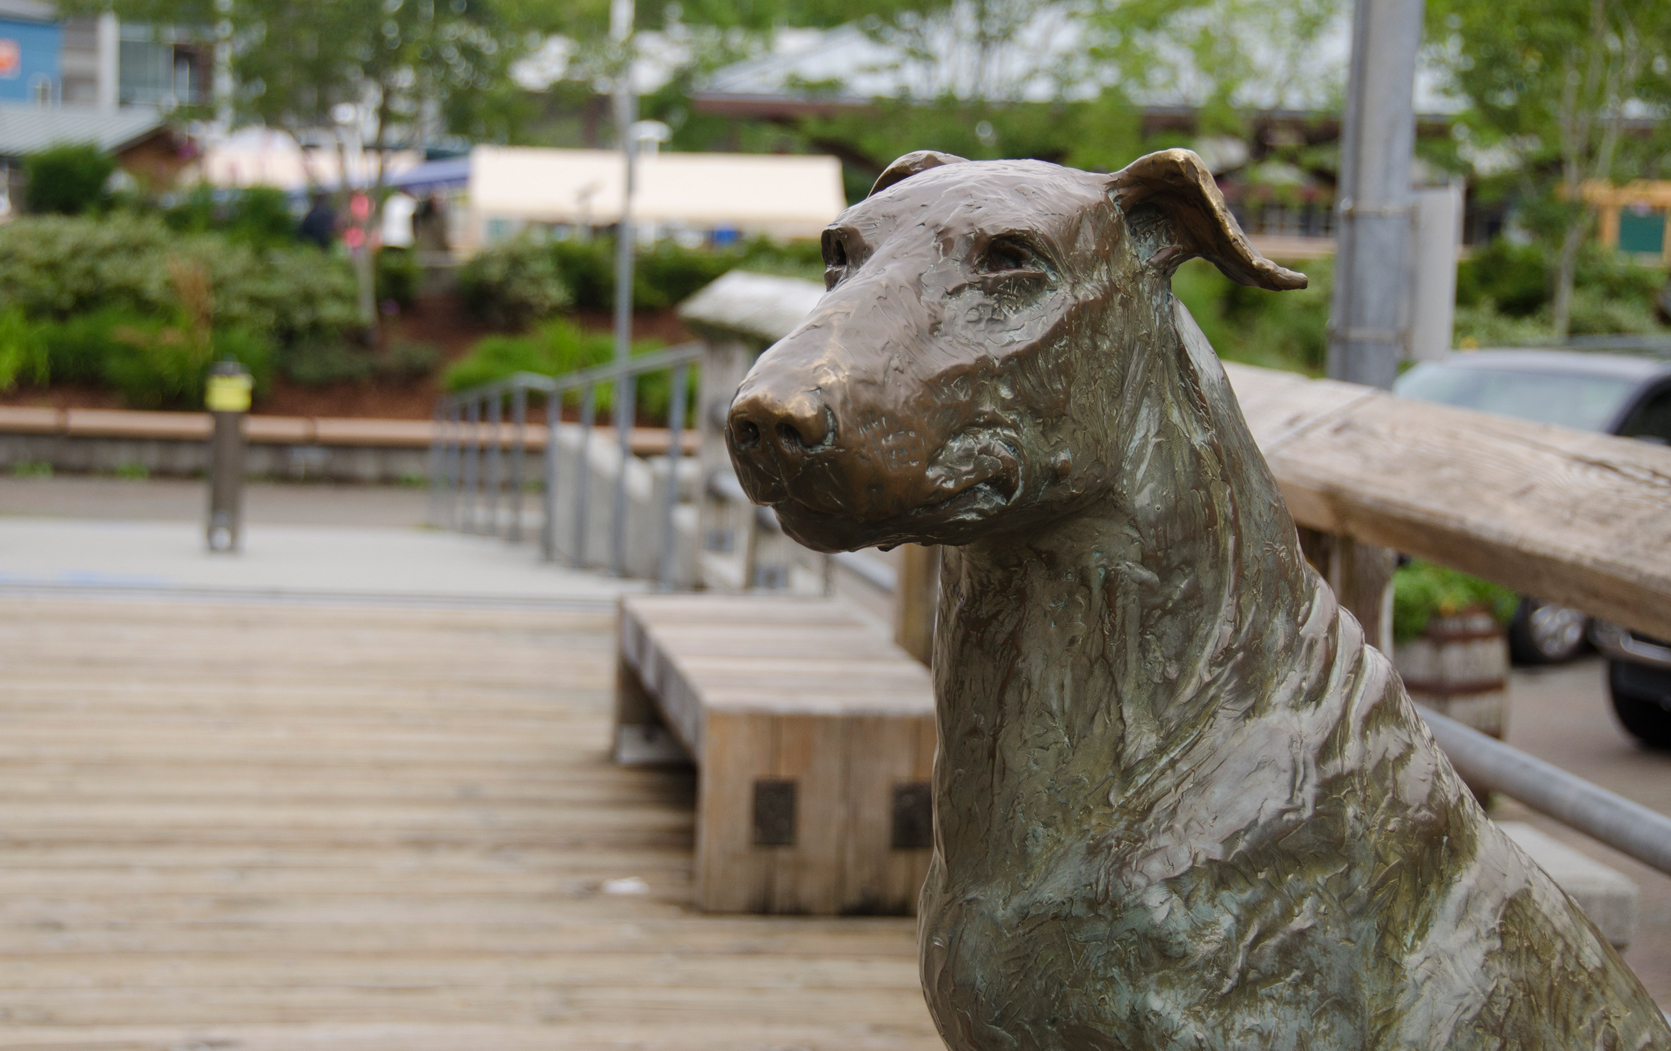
x: 228, y: 393
x: 227, y: 399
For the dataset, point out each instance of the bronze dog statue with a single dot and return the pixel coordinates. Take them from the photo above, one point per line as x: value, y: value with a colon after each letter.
x: 1179, y: 803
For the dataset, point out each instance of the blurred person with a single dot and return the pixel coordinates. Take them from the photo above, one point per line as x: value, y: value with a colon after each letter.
x: 398, y: 214
x: 429, y: 225
x: 319, y: 225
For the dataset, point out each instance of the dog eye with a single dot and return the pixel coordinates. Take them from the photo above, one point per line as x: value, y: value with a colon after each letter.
x: 835, y: 259
x: 1006, y: 254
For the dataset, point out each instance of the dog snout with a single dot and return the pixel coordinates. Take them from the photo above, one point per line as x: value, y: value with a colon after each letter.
x: 773, y: 428
x: 790, y: 424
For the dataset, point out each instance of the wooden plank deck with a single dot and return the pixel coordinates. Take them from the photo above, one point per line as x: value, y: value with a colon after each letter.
x: 276, y: 827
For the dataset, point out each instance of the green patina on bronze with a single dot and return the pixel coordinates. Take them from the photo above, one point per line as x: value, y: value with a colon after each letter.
x: 1179, y: 803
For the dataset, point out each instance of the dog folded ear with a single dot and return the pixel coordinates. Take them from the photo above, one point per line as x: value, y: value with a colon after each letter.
x: 911, y: 164
x: 1177, y: 185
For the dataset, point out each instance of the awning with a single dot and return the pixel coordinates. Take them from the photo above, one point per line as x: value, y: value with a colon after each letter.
x: 784, y: 195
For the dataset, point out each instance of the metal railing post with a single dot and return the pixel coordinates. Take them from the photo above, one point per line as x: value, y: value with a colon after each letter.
x: 548, y: 491
x: 455, y: 458
x: 495, y: 463
x: 625, y: 387
x: 519, y: 425
x: 472, y: 465
x: 433, y: 516
x: 675, y: 437
x: 583, y: 474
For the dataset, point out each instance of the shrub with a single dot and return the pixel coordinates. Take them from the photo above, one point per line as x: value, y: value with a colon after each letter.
x: 513, y: 284
x: 1423, y: 590
x: 78, y: 347
x: 67, y: 180
x: 157, y: 365
x: 1285, y: 330
x: 668, y: 274
x: 557, y: 348
x: 258, y: 216
x: 60, y: 267
x: 408, y: 360
x: 323, y: 362
x: 397, y: 276
x: 22, y: 352
x: 1511, y: 277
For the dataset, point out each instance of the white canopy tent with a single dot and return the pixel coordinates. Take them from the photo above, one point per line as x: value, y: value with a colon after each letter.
x: 783, y: 196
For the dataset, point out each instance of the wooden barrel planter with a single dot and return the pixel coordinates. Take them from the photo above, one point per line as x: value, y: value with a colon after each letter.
x: 1459, y: 667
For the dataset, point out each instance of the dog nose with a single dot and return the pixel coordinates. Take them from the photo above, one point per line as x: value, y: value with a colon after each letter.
x: 790, y: 423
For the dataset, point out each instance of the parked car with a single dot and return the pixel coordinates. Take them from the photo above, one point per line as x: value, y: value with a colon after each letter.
x: 1627, y: 395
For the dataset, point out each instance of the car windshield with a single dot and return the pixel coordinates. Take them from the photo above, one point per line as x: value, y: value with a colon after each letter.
x: 1571, y: 399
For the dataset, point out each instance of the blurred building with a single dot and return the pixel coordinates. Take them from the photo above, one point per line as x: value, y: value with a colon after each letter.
x: 98, y: 61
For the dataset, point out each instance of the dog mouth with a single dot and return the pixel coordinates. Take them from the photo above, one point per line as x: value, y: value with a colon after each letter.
x: 977, y: 482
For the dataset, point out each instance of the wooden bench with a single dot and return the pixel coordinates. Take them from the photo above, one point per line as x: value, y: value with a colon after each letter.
x: 813, y: 735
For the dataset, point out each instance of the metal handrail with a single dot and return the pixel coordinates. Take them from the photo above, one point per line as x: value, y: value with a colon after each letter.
x: 464, y: 482
x: 1630, y: 828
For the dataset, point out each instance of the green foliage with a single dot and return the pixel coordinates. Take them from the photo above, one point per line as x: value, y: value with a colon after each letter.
x: 559, y: 347
x: 67, y: 180
x: 1284, y: 330
x: 513, y: 284
x: 60, y: 267
x: 1512, y: 278
x: 397, y: 276
x: 133, y: 472
x: 1423, y: 590
x: 668, y: 274
x: 22, y: 351
x: 258, y: 216
x: 406, y: 361
x: 156, y: 365
x: 326, y: 362
x: 31, y: 469
x: 1503, y: 296
x: 296, y: 59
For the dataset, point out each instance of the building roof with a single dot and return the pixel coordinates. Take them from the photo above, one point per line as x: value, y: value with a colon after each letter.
x: 785, y: 195
x: 28, y: 11
x: 27, y: 128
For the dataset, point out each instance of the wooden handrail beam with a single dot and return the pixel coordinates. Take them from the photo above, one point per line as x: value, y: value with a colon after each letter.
x: 1569, y: 516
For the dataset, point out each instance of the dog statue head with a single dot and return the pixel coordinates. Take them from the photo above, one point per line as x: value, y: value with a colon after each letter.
x: 988, y: 325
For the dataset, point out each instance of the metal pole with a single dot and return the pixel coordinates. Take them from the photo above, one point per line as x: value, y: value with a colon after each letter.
x: 548, y: 491
x: 583, y: 474
x: 625, y: 388
x: 435, y: 468
x: 1367, y: 322
x: 675, y: 426
x: 455, y: 460
x: 227, y: 398
x: 472, y: 462
x: 1627, y: 827
x: 626, y: 113
x: 495, y: 469
x: 519, y: 423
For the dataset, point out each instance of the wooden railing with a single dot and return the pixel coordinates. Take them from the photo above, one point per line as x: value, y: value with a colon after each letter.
x: 1569, y: 516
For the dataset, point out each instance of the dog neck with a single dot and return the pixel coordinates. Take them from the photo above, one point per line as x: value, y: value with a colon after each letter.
x: 1077, y: 664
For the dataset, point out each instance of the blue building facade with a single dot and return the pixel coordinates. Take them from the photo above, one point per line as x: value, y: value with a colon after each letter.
x: 31, y: 61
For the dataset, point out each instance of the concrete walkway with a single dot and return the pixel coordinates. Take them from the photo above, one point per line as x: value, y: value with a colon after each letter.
x: 301, y: 541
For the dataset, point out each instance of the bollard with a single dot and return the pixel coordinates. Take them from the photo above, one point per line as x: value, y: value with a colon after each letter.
x: 227, y: 399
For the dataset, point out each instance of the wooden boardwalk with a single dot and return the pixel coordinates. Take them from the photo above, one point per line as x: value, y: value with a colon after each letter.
x: 265, y: 827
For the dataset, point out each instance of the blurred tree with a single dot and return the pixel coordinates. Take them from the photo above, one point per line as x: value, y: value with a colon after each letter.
x: 414, y: 68
x: 67, y: 179
x: 1559, y: 92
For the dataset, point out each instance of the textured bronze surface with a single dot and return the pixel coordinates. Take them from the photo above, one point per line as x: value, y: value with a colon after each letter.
x: 1179, y: 803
